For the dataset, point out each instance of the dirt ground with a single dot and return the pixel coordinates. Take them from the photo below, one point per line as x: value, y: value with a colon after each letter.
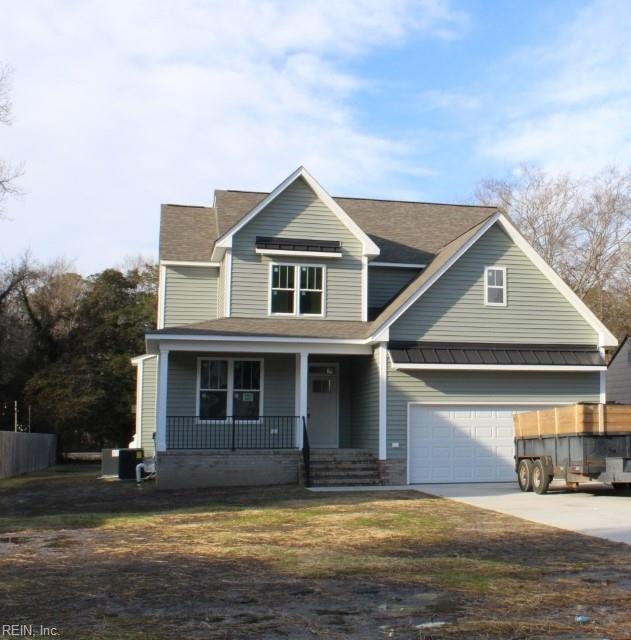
x: 109, y: 560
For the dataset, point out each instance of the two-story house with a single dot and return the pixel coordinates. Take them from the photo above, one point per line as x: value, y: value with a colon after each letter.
x: 396, y: 339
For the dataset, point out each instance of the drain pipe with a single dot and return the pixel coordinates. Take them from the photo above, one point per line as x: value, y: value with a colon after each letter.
x: 139, y: 469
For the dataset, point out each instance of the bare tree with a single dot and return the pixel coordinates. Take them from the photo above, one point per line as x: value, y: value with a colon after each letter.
x: 13, y: 276
x: 9, y: 173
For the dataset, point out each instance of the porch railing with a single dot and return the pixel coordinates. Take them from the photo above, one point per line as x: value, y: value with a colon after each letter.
x: 266, y: 432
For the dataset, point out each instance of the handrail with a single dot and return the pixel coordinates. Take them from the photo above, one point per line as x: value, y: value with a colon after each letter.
x: 306, y: 453
x: 232, y: 433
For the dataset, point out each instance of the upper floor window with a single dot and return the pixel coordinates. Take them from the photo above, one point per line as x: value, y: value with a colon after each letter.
x: 495, y: 286
x: 297, y: 290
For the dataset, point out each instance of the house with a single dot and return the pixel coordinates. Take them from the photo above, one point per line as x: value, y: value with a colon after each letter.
x: 619, y: 374
x: 375, y: 340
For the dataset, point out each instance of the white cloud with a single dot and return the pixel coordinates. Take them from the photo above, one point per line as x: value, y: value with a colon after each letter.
x: 576, y: 114
x: 122, y: 105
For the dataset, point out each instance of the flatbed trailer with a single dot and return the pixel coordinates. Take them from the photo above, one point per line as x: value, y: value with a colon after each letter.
x: 574, y: 444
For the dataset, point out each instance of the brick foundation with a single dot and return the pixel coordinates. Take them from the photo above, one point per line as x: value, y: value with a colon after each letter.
x: 184, y: 469
x: 393, y: 471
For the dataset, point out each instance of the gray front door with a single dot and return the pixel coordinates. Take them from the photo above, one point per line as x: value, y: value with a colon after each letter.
x: 323, y: 406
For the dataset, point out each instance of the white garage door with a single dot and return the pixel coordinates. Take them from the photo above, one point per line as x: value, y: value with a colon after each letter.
x: 462, y: 443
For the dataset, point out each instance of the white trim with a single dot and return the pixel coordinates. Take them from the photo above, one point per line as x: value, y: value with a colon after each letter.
x: 159, y: 337
x: 336, y: 365
x: 463, y: 403
x: 369, y: 247
x: 162, y: 272
x: 139, y: 364
x: 269, y: 347
x: 398, y: 265
x: 382, y: 362
x: 188, y: 263
x: 421, y: 290
x: 504, y: 287
x: 296, y: 312
x: 298, y: 254
x: 161, y: 408
x: 227, y: 290
x: 303, y: 393
x: 605, y: 337
x: 137, y: 359
x: 603, y: 379
x: 230, y: 387
x: 498, y: 367
x: 364, y: 289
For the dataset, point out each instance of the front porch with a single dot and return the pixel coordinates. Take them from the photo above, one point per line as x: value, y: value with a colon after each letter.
x: 250, y: 417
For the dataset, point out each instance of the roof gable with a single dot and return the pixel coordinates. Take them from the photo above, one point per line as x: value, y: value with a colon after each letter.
x: 453, y: 251
x: 225, y: 240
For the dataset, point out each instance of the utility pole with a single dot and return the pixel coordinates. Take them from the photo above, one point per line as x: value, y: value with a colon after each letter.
x: 15, y: 415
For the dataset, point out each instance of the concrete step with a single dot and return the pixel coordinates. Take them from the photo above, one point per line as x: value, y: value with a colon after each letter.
x: 343, y: 481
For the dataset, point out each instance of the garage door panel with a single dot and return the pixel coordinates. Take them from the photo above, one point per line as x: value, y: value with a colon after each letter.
x: 462, y: 443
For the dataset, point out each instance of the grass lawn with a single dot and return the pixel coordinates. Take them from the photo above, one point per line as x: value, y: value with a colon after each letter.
x: 109, y: 560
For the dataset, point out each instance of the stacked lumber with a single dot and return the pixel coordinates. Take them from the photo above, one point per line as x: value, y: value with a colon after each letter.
x: 588, y: 419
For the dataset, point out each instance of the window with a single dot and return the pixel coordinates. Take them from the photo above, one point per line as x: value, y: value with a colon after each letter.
x: 229, y: 387
x: 283, y: 288
x: 297, y: 290
x: 495, y: 286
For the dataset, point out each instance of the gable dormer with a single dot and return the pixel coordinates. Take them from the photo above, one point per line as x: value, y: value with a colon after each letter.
x: 297, y: 254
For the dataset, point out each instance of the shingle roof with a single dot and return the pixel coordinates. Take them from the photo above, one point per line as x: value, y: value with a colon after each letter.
x: 494, y: 354
x: 273, y: 327
x: 404, y: 231
x: 187, y: 233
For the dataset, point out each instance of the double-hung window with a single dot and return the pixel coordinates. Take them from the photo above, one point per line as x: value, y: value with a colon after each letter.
x: 495, y: 286
x: 297, y: 290
x: 229, y: 387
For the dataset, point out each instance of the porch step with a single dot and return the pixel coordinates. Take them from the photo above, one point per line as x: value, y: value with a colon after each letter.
x: 342, y: 467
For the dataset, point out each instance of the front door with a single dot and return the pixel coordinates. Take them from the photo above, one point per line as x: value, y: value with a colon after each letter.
x: 323, y: 413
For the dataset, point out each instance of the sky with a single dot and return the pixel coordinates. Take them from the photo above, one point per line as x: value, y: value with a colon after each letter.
x: 119, y: 106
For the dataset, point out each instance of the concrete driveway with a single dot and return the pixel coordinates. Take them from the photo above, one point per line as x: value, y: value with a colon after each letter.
x: 594, y: 510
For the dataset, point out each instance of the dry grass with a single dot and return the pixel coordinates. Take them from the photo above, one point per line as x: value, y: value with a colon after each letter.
x: 111, y: 561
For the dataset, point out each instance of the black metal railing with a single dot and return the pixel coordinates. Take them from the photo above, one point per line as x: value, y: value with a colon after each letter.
x: 266, y: 432
x: 306, y: 453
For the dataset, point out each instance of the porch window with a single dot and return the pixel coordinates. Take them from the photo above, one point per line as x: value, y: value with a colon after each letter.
x: 213, y: 389
x: 229, y: 387
x: 297, y: 290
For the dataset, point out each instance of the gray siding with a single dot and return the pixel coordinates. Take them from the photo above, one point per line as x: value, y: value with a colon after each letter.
x: 385, y: 282
x: 148, y: 405
x: 453, y: 308
x: 365, y: 403
x: 190, y: 295
x: 619, y: 376
x: 296, y: 213
x: 278, y: 383
x: 478, y: 386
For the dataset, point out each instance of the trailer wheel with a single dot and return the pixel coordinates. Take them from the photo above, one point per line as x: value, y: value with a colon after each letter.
x: 524, y: 474
x: 540, y: 479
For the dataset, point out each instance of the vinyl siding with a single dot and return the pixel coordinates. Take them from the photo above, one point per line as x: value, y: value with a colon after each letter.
x: 619, y: 376
x: 365, y: 403
x: 148, y: 405
x: 453, y: 308
x: 477, y: 386
x: 221, y: 285
x: 296, y: 213
x: 385, y: 282
x: 278, y: 383
x: 190, y: 295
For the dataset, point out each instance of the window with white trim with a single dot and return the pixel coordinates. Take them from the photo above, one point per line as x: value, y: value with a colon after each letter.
x: 297, y: 290
x: 495, y: 286
x: 229, y: 387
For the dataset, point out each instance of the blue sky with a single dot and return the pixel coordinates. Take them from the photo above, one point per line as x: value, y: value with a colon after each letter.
x: 119, y: 106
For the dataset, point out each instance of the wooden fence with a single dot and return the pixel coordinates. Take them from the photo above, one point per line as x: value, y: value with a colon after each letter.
x: 25, y: 452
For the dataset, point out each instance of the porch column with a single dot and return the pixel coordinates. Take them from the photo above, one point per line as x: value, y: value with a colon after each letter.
x: 301, y: 384
x: 381, y: 355
x: 161, y: 408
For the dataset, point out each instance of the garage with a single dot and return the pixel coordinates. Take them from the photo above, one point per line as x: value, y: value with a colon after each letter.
x: 468, y: 443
